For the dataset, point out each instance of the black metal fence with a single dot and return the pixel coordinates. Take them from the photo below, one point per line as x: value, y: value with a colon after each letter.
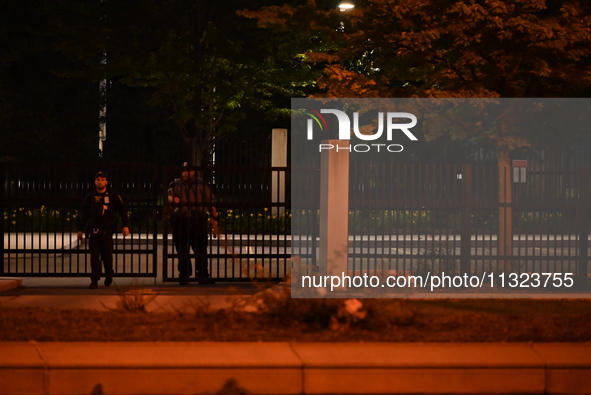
x: 403, y: 218
x: 414, y: 218
x: 420, y: 218
x: 254, y: 220
x: 41, y: 202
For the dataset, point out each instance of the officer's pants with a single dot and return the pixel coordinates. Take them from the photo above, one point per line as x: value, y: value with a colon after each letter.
x: 101, y: 253
x: 189, y: 231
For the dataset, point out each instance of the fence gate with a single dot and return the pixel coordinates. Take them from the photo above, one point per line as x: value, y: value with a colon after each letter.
x: 254, y: 219
x: 41, y: 203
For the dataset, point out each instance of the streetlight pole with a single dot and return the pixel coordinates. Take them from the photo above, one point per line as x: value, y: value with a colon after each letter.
x: 102, y: 137
x: 103, y: 87
x: 344, y: 6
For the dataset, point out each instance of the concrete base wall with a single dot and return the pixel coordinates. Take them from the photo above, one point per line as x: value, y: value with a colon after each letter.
x: 294, y: 368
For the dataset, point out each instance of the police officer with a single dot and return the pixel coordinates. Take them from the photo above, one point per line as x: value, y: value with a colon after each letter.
x: 192, y: 200
x: 98, y: 220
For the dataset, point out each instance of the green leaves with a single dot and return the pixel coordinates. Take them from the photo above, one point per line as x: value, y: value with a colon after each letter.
x: 202, y: 60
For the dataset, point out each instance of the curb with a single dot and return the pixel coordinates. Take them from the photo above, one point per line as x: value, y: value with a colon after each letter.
x: 294, y: 368
x: 6, y: 284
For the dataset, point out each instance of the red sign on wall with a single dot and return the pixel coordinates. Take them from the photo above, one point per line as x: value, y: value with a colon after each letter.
x: 519, y: 163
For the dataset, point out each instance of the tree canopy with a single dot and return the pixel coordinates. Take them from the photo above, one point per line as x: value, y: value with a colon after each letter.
x: 40, y: 112
x: 207, y: 66
x: 498, y: 48
x: 491, y: 48
x: 448, y: 48
x: 196, y: 63
x: 203, y: 61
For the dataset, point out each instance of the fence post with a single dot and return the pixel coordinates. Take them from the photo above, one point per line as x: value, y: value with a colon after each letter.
x: 2, y: 209
x: 334, y: 209
x: 156, y: 177
x: 583, y: 217
x: 278, y: 159
x: 466, y: 215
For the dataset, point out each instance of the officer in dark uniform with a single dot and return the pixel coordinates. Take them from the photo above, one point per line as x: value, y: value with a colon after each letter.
x: 192, y: 201
x: 98, y: 220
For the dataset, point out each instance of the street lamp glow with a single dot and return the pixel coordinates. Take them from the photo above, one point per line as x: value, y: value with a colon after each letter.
x: 346, y: 5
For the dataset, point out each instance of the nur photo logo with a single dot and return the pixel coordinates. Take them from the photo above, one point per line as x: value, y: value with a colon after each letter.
x: 390, y: 125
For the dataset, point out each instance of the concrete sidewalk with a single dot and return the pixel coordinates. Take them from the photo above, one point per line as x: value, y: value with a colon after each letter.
x: 64, y: 368
x: 73, y: 293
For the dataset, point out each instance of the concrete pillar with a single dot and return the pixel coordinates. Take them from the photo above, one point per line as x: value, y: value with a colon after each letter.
x: 334, y: 209
x: 278, y: 159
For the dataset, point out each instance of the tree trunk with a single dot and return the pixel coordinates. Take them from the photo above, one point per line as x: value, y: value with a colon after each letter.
x: 196, y: 152
x: 505, y: 236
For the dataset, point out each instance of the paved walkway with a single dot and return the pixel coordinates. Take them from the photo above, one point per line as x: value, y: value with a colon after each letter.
x: 267, y: 368
x: 73, y: 293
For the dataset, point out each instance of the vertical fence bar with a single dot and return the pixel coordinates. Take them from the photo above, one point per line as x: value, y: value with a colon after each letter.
x: 2, y: 210
x: 466, y: 218
x: 156, y: 177
x: 315, y: 226
x: 278, y: 159
x: 583, y: 219
x: 165, y: 219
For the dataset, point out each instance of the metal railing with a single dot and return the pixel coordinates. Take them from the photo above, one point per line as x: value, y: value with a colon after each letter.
x: 403, y: 217
x: 419, y: 218
x: 254, y: 221
x: 41, y: 203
